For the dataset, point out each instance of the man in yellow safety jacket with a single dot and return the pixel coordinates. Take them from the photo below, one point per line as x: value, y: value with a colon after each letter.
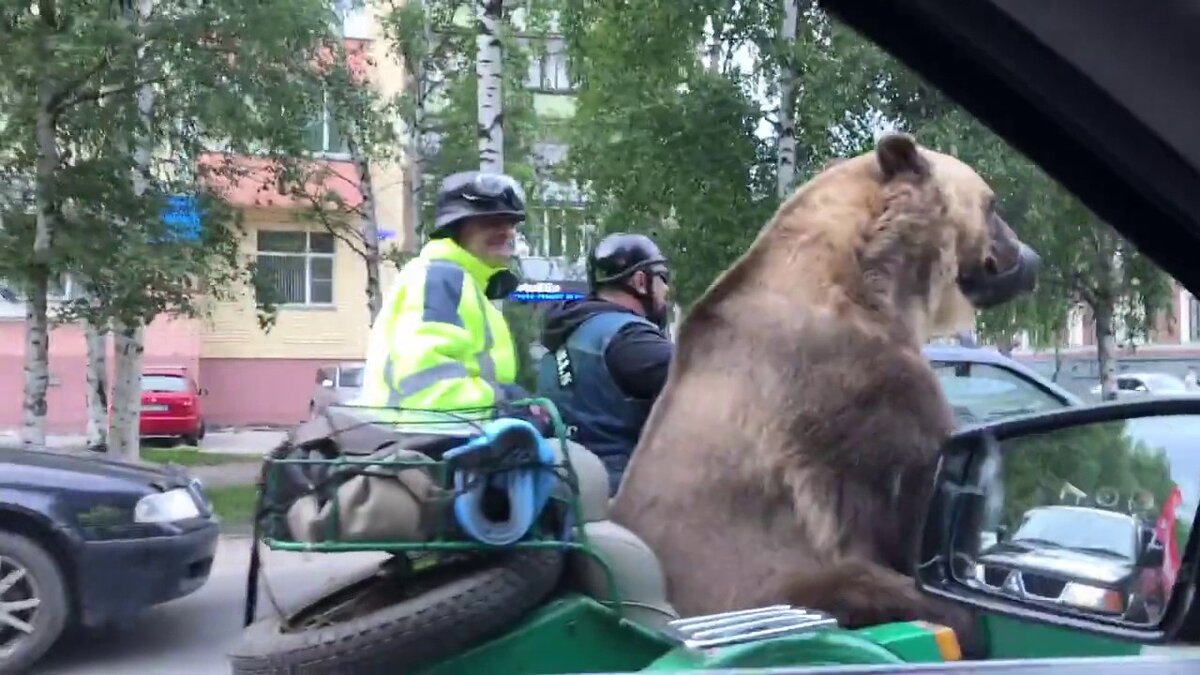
x: 438, y: 343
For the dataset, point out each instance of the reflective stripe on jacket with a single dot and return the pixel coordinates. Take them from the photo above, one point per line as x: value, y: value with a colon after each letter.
x: 438, y: 343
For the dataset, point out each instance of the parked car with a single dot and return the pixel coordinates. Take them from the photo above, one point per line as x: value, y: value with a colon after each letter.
x: 1090, y: 558
x: 171, y: 405
x: 983, y: 385
x: 336, y: 383
x: 86, y: 541
x: 1146, y: 384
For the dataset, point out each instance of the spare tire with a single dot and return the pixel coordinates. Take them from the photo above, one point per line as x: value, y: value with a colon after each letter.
x: 405, y: 624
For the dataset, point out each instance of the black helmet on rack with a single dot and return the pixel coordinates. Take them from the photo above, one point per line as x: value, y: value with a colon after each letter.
x: 470, y: 194
x: 619, y: 255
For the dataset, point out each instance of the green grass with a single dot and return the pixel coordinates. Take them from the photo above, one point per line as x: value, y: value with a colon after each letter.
x: 233, y: 503
x: 189, y: 456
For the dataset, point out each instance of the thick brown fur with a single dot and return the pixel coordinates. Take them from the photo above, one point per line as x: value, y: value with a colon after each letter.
x: 789, y: 457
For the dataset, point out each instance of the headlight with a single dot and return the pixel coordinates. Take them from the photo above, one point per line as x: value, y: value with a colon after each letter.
x: 166, y: 507
x: 1092, y: 597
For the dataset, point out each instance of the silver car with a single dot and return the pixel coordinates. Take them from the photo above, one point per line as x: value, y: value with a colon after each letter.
x: 1146, y: 384
x: 336, y: 383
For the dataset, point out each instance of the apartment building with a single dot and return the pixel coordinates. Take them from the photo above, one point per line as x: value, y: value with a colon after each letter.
x: 252, y: 376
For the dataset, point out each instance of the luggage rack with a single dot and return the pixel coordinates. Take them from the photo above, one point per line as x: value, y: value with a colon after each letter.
x: 748, y: 625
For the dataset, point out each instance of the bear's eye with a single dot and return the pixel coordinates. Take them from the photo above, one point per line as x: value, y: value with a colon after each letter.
x: 989, y: 206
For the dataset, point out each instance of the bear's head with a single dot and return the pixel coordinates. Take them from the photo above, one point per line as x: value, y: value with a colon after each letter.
x: 942, y: 204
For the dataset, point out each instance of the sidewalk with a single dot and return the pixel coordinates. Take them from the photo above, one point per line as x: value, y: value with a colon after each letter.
x: 230, y: 441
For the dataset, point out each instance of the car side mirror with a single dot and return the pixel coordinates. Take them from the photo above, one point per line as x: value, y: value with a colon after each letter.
x: 328, y: 384
x: 1073, y: 479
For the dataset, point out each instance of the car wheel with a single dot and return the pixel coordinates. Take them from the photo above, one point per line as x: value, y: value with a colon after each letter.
x: 33, y: 602
x: 381, y: 624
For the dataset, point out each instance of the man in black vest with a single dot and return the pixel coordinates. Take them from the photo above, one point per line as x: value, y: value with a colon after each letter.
x: 608, y: 353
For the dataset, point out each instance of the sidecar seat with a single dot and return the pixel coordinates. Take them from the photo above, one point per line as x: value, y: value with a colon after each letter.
x: 635, y: 567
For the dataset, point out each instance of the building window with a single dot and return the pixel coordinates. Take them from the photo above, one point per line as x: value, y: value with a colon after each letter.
x: 322, y: 136
x: 297, y: 267
x: 548, y: 68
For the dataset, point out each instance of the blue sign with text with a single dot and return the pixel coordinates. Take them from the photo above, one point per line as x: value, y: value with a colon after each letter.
x: 182, y: 218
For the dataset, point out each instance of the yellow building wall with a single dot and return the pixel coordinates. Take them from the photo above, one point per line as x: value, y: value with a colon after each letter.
x: 330, y: 333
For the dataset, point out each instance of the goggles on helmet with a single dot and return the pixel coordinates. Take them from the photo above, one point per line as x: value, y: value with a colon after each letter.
x: 496, y: 186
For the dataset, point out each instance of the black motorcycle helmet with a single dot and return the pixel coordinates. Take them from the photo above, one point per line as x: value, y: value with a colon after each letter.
x: 619, y: 255
x: 469, y: 194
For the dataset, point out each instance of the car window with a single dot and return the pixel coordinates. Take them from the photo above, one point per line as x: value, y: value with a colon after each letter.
x: 1128, y: 383
x: 171, y: 383
x: 1082, y: 529
x: 350, y: 377
x: 981, y: 392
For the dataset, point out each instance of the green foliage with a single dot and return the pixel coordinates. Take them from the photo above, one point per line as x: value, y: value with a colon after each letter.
x: 525, y: 323
x: 437, y: 41
x: 237, y: 76
x: 1089, y: 457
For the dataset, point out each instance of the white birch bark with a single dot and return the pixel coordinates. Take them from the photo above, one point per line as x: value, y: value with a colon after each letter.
x: 489, y: 74
x: 37, y: 323
x: 786, y: 162
x: 127, y: 391
x: 128, y: 340
x: 97, y: 386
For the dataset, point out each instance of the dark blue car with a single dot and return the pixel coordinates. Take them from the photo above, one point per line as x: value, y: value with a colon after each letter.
x: 86, y: 541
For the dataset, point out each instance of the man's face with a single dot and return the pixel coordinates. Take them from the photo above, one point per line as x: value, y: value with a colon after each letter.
x: 492, y: 239
x: 654, y: 282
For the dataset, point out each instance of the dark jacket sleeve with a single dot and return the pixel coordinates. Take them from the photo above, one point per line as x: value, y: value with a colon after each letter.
x: 637, y: 357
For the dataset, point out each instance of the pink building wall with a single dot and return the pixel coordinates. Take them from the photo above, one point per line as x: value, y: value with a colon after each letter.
x: 251, y: 392
x: 168, y: 342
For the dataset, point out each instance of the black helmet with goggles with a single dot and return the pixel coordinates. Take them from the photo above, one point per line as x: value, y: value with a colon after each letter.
x: 472, y: 194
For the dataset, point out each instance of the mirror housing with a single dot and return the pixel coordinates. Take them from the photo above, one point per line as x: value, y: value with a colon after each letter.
x: 957, y: 509
x: 327, y: 383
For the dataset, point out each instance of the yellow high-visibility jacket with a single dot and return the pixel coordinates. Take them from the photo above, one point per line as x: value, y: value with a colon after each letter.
x: 438, y: 343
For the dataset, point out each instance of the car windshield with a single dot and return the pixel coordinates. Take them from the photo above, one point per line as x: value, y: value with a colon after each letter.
x: 1082, y: 529
x: 981, y: 392
x: 164, y: 383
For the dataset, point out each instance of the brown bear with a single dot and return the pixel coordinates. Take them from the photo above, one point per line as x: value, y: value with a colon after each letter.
x: 790, y: 455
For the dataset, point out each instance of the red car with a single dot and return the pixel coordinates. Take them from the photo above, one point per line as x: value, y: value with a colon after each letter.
x: 171, y: 405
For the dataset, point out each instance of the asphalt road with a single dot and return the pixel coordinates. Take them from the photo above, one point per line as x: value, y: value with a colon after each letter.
x: 193, y: 634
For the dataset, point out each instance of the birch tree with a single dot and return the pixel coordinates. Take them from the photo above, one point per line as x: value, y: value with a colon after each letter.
x: 489, y: 75
x: 78, y: 105
x: 786, y: 160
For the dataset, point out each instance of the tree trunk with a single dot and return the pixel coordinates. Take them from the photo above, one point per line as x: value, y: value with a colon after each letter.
x: 786, y: 162
x: 1106, y: 345
x: 123, y: 437
x: 97, y: 386
x: 1058, y: 361
x: 37, y: 323
x: 128, y: 344
x: 1005, y: 344
x: 37, y: 362
x: 489, y: 72
x: 370, y: 233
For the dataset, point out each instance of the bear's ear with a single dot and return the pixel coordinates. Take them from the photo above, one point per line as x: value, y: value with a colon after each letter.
x: 898, y: 154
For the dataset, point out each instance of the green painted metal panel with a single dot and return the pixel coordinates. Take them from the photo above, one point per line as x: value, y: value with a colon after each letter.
x: 573, y: 634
